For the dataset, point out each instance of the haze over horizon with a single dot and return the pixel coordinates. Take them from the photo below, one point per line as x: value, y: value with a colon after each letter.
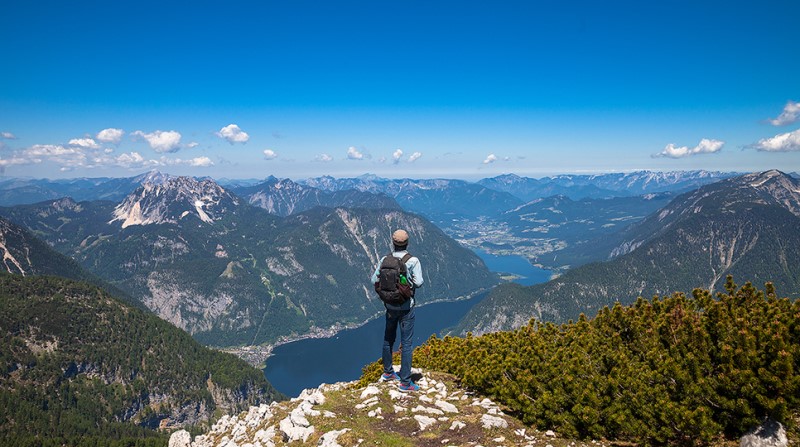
x: 450, y: 90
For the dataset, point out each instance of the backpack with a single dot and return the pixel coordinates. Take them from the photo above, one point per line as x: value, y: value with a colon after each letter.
x: 393, y: 286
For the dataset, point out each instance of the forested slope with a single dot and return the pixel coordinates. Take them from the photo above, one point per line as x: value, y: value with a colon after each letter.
x: 81, y: 368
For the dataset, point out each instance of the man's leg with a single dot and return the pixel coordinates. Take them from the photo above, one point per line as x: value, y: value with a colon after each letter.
x: 407, y: 348
x: 389, y: 336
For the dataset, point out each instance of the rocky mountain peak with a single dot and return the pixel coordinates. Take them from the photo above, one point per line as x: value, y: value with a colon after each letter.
x: 729, y: 196
x: 781, y: 187
x: 154, y: 177
x: 64, y: 204
x: 767, y: 187
x: 172, y: 199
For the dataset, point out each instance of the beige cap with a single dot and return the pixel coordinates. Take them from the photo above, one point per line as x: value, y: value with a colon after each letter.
x: 400, y: 237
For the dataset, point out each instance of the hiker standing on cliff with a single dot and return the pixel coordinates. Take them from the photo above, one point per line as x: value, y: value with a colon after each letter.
x: 396, y: 277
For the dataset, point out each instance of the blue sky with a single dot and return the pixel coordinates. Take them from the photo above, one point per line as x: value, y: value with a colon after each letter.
x: 462, y: 89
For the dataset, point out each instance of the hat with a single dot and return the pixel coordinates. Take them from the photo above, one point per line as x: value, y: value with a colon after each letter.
x: 400, y: 237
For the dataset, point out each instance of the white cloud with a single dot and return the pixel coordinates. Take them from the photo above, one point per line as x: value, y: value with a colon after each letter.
x: 192, y: 145
x: 269, y: 154
x: 110, y: 135
x: 51, y: 150
x: 87, y: 143
x: 8, y: 135
x: 73, y: 156
x: 414, y: 157
x: 396, y: 155
x: 491, y: 158
x: 202, y: 162
x: 161, y: 141
x: 127, y: 160
x: 354, y: 154
x: 233, y: 134
x: 706, y: 146
x: 323, y: 158
x: 67, y: 157
x: 14, y: 160
x: 790, y: 114
x: 785, y: 142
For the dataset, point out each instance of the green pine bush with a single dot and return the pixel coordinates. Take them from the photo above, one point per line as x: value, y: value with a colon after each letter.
x: 669, y: 370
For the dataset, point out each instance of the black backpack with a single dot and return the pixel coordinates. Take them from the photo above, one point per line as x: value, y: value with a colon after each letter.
x: 393, y: 285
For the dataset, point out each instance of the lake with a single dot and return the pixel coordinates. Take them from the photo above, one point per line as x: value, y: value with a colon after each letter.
x: 308, y: 363
x: 528, y: 275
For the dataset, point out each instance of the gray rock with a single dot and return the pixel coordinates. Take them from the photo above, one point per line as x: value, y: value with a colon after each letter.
x: 769, y: 434
x: 490, y: 421
x: 424, y: 421
x: 330, y: 439
x: 370, y: 391
x: 421, y: 409
x: 312, y: 395
x: 292, y: 432
x: 457, y: 425
x: 264, y: 437
x: 180, y: 438
x: 446, y: 406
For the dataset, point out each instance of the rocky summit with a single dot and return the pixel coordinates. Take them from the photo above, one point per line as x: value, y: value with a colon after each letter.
x: 346, y: 414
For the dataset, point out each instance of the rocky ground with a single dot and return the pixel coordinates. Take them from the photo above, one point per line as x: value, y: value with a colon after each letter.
x: 440, y: 414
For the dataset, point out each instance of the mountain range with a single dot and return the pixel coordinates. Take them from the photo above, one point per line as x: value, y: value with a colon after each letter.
x: 437, y: 199
x: 230, y: 273
x: 598, y: 186
x: 283, y: 197
x: 745, y: 226
x: 19, y: 191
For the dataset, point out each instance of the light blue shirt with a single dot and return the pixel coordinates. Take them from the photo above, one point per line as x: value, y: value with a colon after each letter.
x: 415, y: 275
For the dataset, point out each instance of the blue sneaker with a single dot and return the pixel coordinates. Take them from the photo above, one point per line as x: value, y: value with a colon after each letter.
x: 406, y: 388
x: 386, y: 377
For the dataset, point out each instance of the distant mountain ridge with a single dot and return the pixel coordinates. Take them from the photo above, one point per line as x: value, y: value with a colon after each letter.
x: 27, y: 191
x: 17, y: 191
x: 597, y: 186
x: 437, y: 199
x: 745, y: 226
x: 284, y: 197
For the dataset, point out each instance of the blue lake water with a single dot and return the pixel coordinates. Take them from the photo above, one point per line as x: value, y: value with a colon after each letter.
x: 308, y: 363
x: 528, y: 275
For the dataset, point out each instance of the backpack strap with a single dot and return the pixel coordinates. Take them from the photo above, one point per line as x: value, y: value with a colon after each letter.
x: 405, y: 258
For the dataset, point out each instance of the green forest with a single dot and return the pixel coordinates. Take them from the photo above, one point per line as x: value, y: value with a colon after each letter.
x: 78, y: 367
x: 687, y: 370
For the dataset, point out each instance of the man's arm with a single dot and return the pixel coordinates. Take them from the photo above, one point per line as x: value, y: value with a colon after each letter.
x: 416, y: 273
x: 377, y: 271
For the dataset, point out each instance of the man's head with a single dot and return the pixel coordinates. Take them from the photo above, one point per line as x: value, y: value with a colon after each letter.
x: 400, y: 240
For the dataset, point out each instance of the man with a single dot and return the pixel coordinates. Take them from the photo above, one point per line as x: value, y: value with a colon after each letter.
x: 402, y: 315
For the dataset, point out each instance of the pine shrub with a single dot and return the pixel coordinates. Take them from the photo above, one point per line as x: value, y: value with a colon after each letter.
x: 669, y: 370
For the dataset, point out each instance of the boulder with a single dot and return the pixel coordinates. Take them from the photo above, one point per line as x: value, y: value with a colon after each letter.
x: 180, y: 438
x: 769, y: 434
